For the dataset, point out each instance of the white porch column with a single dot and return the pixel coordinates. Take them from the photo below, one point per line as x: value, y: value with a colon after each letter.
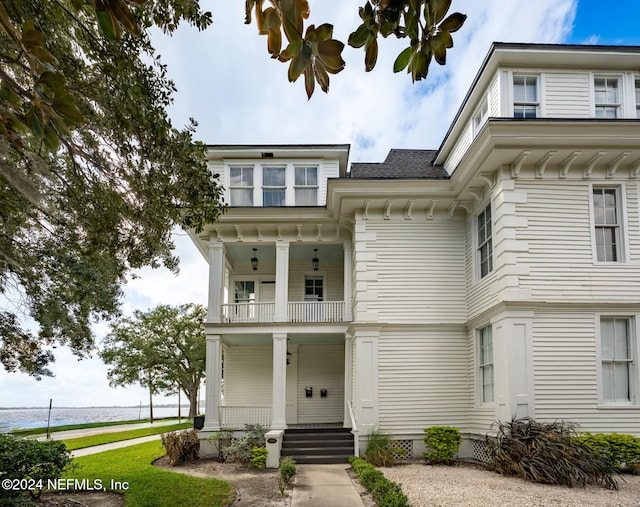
x: 348, y: 315
x: 279, y: 403
x: 348, y: 378
x: 282, y: 281
x: 214, y: 378
x: 216, y: 279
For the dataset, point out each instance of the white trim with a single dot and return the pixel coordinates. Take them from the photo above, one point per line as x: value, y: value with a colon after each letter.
x: 634, y: 371
x: 621, y: 203
x: 479, y: 385
x: 477, y: 275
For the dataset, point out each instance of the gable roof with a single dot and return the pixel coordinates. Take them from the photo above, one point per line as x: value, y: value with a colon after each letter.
x: 401, y: 164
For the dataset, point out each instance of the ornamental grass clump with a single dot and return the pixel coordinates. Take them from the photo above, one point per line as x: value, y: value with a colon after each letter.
x: 380, y: 450
x: 442, y: 444
x: 548, y: 453
x: 181, y: 446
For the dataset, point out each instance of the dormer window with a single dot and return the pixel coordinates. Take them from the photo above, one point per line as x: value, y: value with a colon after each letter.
x: 306, y: 186
x: 607, y: 97
x: 480, y: 117
x: 273, y: 186
x: 525, y: 96
x: 241, y: 186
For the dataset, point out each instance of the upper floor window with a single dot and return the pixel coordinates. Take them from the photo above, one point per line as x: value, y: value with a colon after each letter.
x: 637, y: 97
x: 617, y: 360
x: 606, y: 223
x: 480, y: 116
x: 485, y: 243
x: 525, y: 96
x: 607, y: 97
x: 273, y: 186
x: 485, y: 365
x: 241, y: 186
x: 306, y: 186
x: 313, y: 288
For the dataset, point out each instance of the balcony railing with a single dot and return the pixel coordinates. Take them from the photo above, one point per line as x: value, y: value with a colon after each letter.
x: 304, y: 311
x: 235, y: 417
x: 241, y: 313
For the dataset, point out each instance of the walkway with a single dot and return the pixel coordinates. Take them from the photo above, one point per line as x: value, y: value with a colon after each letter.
x: 323, y: 485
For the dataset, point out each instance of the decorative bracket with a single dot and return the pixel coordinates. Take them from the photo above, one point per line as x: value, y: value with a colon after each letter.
x: 516, y: 165
x: 635, y: 169
x: 319, y: 232
x: 588, y: 167
x: 613, y: 166
x: 259, y: 232
x: 408, y: 210
x: 387, y: 210
x: 542, y: 165
x: 365, y: 210
x: 238, y: 233
x: 431, y: 208
x: 566, y: 165
x: 490, y: 178
x: 299, y: 226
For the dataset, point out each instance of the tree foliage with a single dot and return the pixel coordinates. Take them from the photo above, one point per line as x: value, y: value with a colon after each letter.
x: 93, y: 175
x: 162, y: 349
x: 315, y: 54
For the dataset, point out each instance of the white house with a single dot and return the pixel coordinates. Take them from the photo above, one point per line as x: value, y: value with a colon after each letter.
x: 495, y: 277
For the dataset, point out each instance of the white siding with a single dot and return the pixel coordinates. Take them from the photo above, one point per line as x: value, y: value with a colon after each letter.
x: 327, y: 169
x: 414, y: 269
x: 459, y: 150
x: 333, y: 274
x: 493, y: 96
x: 248, y: 375
x: 321, y: 367
x: 423, y: 379
x: 567, y: 95
x: 566, y: 374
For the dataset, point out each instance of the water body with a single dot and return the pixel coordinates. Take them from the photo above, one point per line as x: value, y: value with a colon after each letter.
x: 36, y: 417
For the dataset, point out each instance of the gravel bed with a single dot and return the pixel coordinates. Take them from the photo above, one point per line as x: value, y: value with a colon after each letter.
x: 466, y: 485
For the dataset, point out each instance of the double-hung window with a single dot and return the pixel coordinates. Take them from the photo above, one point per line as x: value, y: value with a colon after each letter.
x: 273, y: 186
x: 525, y: 96
x: 241, y: 186
x: 306, y: 186
x: 607, y: 224
x: 480, y: 117
x: 637, y: 81
x: 313, y: 288
x: 485, y: 365
x: 607, y: 96
x: 617, y: 356
x: 485, y: 242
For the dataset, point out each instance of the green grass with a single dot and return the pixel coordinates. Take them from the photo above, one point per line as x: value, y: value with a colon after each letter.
x: 147, y: 485
x: 39, y: 431
x: 107, y: 438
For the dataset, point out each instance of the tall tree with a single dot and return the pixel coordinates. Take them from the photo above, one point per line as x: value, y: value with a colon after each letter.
x: 159, y: 349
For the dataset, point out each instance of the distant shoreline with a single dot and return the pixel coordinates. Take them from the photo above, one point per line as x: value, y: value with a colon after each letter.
x: 169, y: 405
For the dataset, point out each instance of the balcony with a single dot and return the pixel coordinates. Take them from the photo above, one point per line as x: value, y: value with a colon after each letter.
x: 303, y: 311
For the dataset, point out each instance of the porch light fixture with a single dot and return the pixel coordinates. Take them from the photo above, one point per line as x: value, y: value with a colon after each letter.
x: 254, y: 260
x: 315, y: 260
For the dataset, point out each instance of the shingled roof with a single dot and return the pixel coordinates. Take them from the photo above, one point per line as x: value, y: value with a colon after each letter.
x: 401, y: 164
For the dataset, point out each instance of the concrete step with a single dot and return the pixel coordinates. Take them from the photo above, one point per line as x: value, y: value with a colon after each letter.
x: 318, y: 446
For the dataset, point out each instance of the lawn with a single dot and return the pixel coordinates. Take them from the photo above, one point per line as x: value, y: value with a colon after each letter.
x: 107, y: 438
x: 145, y: 485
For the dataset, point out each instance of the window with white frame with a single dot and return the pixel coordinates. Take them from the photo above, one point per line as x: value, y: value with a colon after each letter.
x: 480, y: 117
x: 637, y: 81
x: 525, y: 96
x: 607, y: 96
x: 607, y: 224
x: 617, y: 360
x: 306, y: 186
x: 485, y: 242
x: 241, y: 186
x: 485, y: 365
x: 273, y: 186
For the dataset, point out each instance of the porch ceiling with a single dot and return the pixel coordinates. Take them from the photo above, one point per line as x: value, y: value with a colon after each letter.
x: 256, y: 339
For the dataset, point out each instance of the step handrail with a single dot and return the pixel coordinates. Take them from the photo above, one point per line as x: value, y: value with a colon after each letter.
x: 354, y: 429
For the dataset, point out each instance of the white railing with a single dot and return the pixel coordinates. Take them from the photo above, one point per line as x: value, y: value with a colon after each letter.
x: 240, y: 313
x: 316, y: 311
x: 354, y: 430
x: 303, y: 311
x: 235, y: 417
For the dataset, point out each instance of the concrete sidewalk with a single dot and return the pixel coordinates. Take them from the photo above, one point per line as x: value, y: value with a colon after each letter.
x: 85, y: 432
x: 324, y: 485
x: 113, y: 445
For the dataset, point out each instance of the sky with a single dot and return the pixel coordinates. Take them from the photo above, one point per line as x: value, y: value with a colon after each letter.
x: 238, y: 95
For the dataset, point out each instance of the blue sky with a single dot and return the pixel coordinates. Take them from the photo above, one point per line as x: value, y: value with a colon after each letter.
x: 374, y: 112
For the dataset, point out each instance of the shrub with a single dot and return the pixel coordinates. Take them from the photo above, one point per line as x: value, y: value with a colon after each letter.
x: 259, y: 457
x: 624, y: 450
x: 181, y: 446
x: 30, y: 460
x: 240, y: 448
x: 548, y: 453
x: 386, y: 493
x: 287, y: 469
x: 380, y: 450
x: 442, y: 443
x: 222, y: 440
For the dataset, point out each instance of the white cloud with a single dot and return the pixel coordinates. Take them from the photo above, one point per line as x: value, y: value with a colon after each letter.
x: 239, y: 95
